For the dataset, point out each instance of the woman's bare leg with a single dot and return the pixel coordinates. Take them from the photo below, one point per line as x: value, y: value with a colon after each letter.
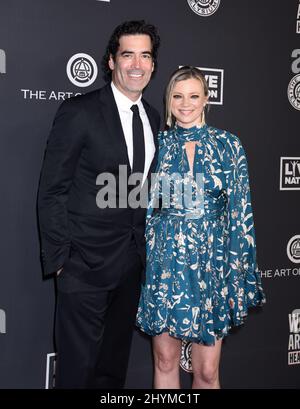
x: 166, y: 351
x: 205, y: 363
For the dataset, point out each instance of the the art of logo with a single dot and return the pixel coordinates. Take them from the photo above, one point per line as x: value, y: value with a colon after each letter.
x: 186, y: 356
x: 2, y: 322
x: 204, y: 8
x: 289, y: 173
x: 280, y: 272
x: 2, y: 62
x: 50, y: 371
x: 82, y: 70
x: 293, y: 249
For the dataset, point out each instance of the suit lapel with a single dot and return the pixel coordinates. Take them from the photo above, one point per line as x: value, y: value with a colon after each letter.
x: 154, y: 128
x: 113, y: 124
x: 152, y: 121
x: 112, y: 121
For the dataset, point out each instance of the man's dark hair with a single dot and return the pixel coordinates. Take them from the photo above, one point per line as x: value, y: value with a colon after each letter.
x: 129, y: 28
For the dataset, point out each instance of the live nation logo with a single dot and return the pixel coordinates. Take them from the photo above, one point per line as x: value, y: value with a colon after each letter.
x: 215, y: 81
x: 294, y: 338
x: 290, y: 173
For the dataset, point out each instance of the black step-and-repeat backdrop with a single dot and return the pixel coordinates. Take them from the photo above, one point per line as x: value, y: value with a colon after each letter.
x: 249, y: 51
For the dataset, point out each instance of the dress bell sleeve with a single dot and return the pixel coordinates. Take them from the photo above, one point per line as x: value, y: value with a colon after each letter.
x: 242, y: 270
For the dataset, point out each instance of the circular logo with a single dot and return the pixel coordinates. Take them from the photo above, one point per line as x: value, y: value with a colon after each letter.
x: 82, y: 70
x: 293, y: 249
x: 186, y: 356
x: 204, y: 8
x: 294, y: 91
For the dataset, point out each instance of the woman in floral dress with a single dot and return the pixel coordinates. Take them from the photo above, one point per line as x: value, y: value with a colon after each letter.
x: 201, y: 274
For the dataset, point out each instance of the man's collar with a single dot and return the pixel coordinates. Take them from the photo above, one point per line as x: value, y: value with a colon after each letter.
x: 122, y: 101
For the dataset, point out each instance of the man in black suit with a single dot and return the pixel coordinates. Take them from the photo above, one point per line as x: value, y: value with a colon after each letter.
x: 98, y: 252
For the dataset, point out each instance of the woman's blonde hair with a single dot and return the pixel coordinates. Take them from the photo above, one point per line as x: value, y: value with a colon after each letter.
x: 184, y: 73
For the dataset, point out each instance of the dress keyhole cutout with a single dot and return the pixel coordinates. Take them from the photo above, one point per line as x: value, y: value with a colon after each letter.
x: 190, y: 152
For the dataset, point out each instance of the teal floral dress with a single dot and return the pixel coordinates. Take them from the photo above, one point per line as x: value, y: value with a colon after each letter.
x: 201, y: 274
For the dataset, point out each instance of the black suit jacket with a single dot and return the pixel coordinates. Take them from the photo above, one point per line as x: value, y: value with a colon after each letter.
x: 87, y: 139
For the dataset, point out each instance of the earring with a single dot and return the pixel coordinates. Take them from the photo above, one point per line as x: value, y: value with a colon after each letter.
x: 203, y: 116
x: 169, y: 119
